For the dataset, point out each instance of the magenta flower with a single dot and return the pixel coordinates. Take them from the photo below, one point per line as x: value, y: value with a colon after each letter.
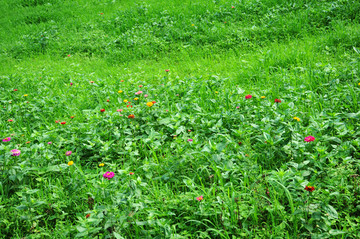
x: 108, y: 175
x: 248, y: 96
x: 237, y: 107
x: 15, y: 152
x: 68, y: 153
x: 71, y: 84
x: 190, y: 140
x: 309, y: 138
x: 7, y: 139
x: 49, y: 142
x: 200, y: 198
x: 119, y: 110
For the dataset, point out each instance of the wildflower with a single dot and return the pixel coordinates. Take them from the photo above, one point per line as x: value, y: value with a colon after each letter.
x: 189, y: 130
x: 71, y: 83
x: 15, y: 89
x: 248, y: 96
x: 63, y: 122
x: 49, y: 142
x: 72, y: 117
x: 359, y: 83
x: 120, y: 91
x: 237, y: 107
x: 102, y: 110
x: 246, y: 155
x: 232, y: 7
x: 15, y: 152
x: 153, y: 102
x: 296, y: 118
x: 125, y: 101
x: 190, y: 140
x: 101, y: 13
x: 140, y: 86
x: 145, y: 96
x: 277, y: 101
x: 131, y: 116
x: 10, y: 120
x: 122, y: 81
x: 7, y: 139
x: 87, y: 215
x: 136, y: 98
x: 25, y: 95
x: 200, y: 198
x: 28, y: 142
x: 192, y: 25
x: 310, y: 188
x: 107, y: 100
x: 56, y: 121
x: 108, y: 175
x: 262, y: 97
x: 216, y: 92
x: 92, y: 82
x: 119, y: 110
x: 69, y: 55
x: 70, y: 163
x: 131, y: 173
x: 167, y: 69
x: 309, y: 138
x: 240, y: 143
x: 139, y: 92
x: 68, y: 153
x: 149, y: 104
x: 101, y: 165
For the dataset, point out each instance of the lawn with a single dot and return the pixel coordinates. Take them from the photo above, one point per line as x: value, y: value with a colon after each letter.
x: 180, y: 119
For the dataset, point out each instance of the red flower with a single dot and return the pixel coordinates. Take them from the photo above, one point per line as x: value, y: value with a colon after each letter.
x: 107, y: 100
x: 10, y: 120
x: 15, y: 89
x: 240, y: 143
x: 309, y: 188
x: 131, y: 116
x: 102, y: 110
x: 87, y: 215
x: 248, y: 96
x: 63, y: 122
x: 167, y: 70
x: 101, y: 13
x: 69, y: 55
x: 277, y: 101
x: 72, y: 117
x: 153, y: 102
x: 56, y: 121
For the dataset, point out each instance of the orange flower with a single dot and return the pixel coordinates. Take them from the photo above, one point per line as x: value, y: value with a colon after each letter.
x: 87, y: 215
x: 131, y: 116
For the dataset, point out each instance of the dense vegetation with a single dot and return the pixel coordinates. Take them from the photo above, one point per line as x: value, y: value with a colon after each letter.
x: 180, y: 119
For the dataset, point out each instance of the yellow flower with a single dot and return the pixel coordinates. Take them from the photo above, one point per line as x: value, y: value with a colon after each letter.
x: 26, y: 95
x: 216, y: 92
x: 262, y: 97
x: 120, y: 91
x: 149, y: 104
x: 70, y: 163
x: 359, y: 83
x: 192, y: 25
x: 125, y: 101
x: 136, y: 98
x: 101, y: 165
x: 296, y: 118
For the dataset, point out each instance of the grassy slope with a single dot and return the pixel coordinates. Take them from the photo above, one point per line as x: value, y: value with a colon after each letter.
x: 296, y: 50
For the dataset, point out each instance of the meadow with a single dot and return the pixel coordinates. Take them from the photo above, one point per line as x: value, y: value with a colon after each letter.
x: 180, y: 119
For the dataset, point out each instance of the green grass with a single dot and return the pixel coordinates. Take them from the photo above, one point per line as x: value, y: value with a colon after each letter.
x: 248, y: 158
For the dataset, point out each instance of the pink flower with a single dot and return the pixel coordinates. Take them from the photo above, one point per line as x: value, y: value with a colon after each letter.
x: 237, y: 107
x: 119, y: 110
x: 108, y: 175
x: 145, y: 96
x: 200, y: 198
x: 248, y: 96
x: 71, y: 83
x: 7, y: 139
x: 140, y: 92
x: 309, y: 138
x: 232, y: 7
x: 190, y: 140
x: 69, y: 55
x: 136, y: 93
x: 131, y: 173
x: 68, y: 153
x: 49, y: 143
x: 15, y: 152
